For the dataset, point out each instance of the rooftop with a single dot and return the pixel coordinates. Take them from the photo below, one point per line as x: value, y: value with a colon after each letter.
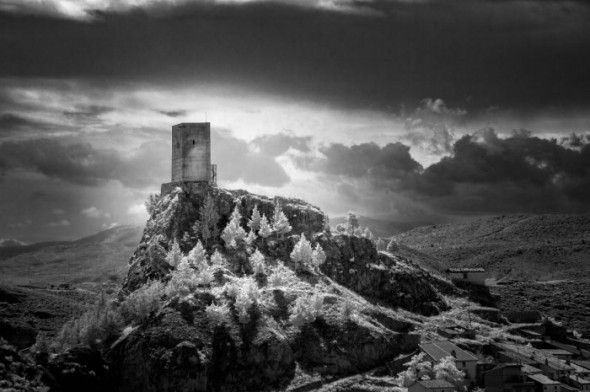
x: 435, y: 384
x: 579, y: 380
x: 555, y: 351
x: 528, y: 369
x: 465, y: 269
x: 442, y: 349
x: 542, y: 379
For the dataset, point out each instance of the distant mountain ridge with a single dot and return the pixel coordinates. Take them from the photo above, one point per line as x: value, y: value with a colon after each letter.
x: 11, y: 242
x: 519, y: 247
x: 97, y: 258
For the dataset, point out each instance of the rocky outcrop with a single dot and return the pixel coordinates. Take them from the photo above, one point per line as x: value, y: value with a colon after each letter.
x: 19, y: 372
x: 178, y: 209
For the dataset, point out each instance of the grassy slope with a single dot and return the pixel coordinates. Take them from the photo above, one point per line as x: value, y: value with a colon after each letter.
x: 380, y: 227
x: 93, y: 259
x: 523, y: 247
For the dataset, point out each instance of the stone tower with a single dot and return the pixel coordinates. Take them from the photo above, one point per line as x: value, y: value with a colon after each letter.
x: 191, y: 152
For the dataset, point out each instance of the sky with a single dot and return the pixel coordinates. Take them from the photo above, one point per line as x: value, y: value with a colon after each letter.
x: 408, y: 110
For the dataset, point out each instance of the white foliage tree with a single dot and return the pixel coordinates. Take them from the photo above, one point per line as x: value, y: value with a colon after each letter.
x: 217, y: 314
x: 218, y: 259
x: 352, y: 223
x: 246, y: 297
x: 233, y: 232
x: 251, y: 238
x: 174, y: 256
x: 318, y: 256
x: 302, y: 253
x: 198, y: 257
x: 257, y: 262
x: 282, y: 226
x: 254, y: 222
x: 446, y: 369
x: 265, y: 228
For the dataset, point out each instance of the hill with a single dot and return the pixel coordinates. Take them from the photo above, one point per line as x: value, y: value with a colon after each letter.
x: 95, y: 259
x: 510, y: 247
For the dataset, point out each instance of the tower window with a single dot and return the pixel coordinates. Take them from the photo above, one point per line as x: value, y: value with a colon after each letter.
x: 193, y: 142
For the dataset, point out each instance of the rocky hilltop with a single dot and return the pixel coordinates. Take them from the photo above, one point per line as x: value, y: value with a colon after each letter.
x: 337, y: 319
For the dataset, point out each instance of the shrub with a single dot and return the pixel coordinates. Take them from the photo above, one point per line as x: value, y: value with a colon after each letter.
x: 182, y: 282
x: 417, y: 369
x: 152, y: 202
x: 100, y: 323
x: 217, y: 314
x: 281, y: 276
x: 306, y: 310
x: 138, y: 305
x: 347, y: 311
x: 302, y: 253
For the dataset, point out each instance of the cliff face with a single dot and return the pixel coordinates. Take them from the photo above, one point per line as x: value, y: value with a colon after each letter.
x: 178, y: 209
x: 179, y: 348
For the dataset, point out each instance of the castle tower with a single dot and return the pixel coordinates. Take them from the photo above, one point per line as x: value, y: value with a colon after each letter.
x: 191, y: 152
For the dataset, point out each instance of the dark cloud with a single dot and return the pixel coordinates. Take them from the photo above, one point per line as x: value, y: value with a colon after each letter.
x: 12, y: 123
x: 368, y: 160
x: 90, y: 112
x: 484, y: 174
x: 522, y: 54
x: 278, y: 144
x: 173, y: 113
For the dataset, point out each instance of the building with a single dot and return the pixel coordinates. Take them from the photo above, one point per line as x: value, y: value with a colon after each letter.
x: 555, y: 368
x: 544, y: 383
x: 528, y: 369
x: 191, y: 153
x: 578, y: 382
x: 464, y: 360
x: 508, y: 377
x: 472, y: 275
x: 557, y: 352
x: 432, y: 386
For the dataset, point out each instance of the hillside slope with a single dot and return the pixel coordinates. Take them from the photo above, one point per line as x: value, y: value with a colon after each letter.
x: 95, y: 259
x: 520, y: 247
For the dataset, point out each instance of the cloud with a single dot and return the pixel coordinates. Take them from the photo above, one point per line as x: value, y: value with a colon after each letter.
x: 93, y: 212
x: 485, y: 173
x: 61, y: 223
x: 88, y: 113
x: 279, y: 143
x: 89, y: 10
x: 21, y: 224
x: 173, y: 113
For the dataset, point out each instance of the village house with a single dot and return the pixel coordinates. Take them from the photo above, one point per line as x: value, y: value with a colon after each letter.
x: 555, y: 368
x: 464, y: 360
x: 544, y: 383
x: 472, y: 275
x: 508, y: 378
x: 578, y: 382
x: 558, y: 353
x: 432, y: 386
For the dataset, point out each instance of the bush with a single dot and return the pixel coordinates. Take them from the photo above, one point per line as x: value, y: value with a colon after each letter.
x: 347, y: 310
x: 197, y: 257
x: 306, y: 310
x: 152, y: 202
x: 99, y: 324
x: 217, y: 314
x: 138, y: 305
x: 218, y: 259
x: 281, y: 276
x: 182, y: 282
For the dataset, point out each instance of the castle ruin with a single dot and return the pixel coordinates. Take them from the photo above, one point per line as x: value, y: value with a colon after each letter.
x: 191, y: 155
